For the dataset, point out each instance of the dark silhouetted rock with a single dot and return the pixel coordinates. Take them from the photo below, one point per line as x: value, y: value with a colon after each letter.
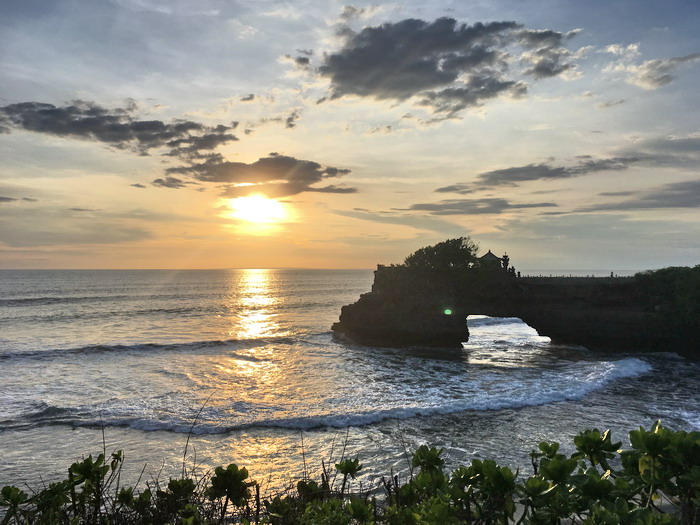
x: 408, y: 307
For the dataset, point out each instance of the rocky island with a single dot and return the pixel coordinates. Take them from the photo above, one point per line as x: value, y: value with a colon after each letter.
x: 426, y: 300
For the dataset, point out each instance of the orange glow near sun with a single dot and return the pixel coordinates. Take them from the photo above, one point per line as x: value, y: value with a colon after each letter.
x: 257, y: 209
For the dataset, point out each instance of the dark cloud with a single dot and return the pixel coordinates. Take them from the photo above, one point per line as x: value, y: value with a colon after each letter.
x: 350, y: 12
x: 115, y: 127
x: 15, y: 199
x: 514, y: 175
x: 302, y: 61
x: 137, y: 185
x: 275, y: 176
x: 449, y: 66
x: 291, y: 120
x: 170, y: 182
x: 191, y: 142
x: 546, y: 56
x: 474, y: 206
x: 675, y: 195
x: 517, y: 174
x: 676, y: 146
x: 192, y: 146
x: 332, y: 188
x: 397, y: 61
x: 676, y: 152
x: 336, y: 172
x: 461, y: 187
x: 617, y: 193
x: 248, y: 98
x: 451, y: 101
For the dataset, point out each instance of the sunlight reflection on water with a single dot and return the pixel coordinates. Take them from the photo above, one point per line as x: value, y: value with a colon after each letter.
x: 253, y: 297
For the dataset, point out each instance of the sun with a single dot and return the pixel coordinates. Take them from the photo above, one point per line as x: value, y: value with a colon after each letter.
x: 257, y: 209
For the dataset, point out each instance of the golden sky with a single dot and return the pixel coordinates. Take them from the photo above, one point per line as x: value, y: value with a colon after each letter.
x: 134, y: 132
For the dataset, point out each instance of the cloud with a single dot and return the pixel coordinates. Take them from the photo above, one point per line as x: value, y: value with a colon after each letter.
x: 461, y: 187
x: 291, y: 120
x: 682, y: 147
x: 275, y: 175
x: 675, y: 195
x: 514, y: 175
x: 475, y: 206
x: 419, y: 222
x: 448, y: 66
x: 117, y: 128
x: 53, y: 227
x: 663, y: 152
x: 351, y: 12
x: 452, y: 101
x: 302, y: 61
x: 189, y: 141
x: 17, y: 199
x: 651, y: 74
x: 248, y: 98
x: 546, y: 56
x: 610, y: 103
x: 617, y: 193
x: 170, y: 182
x: 137, y: 185
x: 630, y: 51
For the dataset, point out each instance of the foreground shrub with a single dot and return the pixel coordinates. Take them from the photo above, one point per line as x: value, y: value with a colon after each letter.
x: 654, y: 482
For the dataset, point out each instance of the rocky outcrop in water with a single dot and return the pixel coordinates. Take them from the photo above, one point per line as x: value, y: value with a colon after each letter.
x: 655, y: 311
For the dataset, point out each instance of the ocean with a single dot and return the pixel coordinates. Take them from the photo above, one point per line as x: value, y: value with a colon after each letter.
x: 210, y: 367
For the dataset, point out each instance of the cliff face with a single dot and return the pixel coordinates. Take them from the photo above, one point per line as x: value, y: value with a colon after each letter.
x: 427, y: 308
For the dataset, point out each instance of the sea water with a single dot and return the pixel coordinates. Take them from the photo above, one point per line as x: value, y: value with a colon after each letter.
x: 210, y: 367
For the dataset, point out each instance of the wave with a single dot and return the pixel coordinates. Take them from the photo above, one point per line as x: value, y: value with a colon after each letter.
x: 475, y: 321
x: 52, y: 317
x: 550, y: 386
x: 49, y: 300
x: 188, y: 347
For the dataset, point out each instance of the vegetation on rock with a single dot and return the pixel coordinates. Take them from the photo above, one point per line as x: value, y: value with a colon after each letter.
x: 447, y: 255
x: 675, y: 292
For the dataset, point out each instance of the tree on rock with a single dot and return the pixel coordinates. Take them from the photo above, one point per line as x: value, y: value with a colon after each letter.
x: 447, y: 255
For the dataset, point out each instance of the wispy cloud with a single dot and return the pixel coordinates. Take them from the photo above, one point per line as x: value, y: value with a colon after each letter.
x: 411, y: 220
x: 650, y: 74
x: 483, y: 206
x: 675, y: 195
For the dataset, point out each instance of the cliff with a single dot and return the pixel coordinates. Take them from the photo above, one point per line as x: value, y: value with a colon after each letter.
x: 656, y: 311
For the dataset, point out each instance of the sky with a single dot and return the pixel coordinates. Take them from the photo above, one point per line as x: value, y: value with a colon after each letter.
x: 322, y: 134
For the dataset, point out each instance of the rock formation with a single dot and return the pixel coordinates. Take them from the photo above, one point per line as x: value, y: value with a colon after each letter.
x: 421, y: 307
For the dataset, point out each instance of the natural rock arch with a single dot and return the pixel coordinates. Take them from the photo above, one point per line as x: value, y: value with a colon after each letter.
x: 407, y: 307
